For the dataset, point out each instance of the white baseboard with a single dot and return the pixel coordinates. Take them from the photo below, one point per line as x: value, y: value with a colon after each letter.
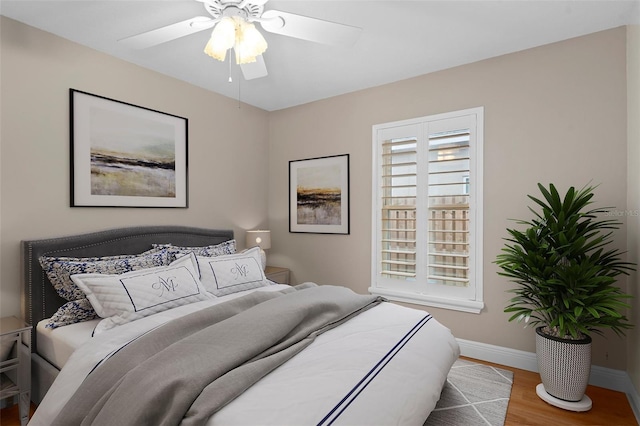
x: 608, y: 378
x: 634, y: 401
x: 499, y: 355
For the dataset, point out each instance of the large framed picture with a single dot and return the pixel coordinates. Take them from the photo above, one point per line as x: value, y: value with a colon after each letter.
x: 319, y: 195
x: 123, y: 155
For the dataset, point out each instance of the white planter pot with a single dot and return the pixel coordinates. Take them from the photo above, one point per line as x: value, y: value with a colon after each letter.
x: 564, y: 366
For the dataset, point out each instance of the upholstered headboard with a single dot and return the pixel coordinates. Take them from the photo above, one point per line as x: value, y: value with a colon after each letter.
x: 39, y: 298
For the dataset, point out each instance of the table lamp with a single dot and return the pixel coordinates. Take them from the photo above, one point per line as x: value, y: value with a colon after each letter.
x: 262, y: 239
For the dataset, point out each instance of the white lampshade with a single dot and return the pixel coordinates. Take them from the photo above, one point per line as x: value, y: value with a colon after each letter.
x: 223, y: 37
x: 235, y: 32
x: 260, y: 238
x: 249, y: 43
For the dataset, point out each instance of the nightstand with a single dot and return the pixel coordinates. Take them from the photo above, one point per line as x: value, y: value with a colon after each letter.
x: 277, y: 274
x: 15, y: 368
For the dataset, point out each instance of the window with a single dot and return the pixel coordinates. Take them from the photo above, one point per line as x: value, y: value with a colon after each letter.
x: 427, y: 210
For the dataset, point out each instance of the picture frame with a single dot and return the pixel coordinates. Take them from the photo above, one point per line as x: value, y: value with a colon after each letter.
x: 319, y: 195
x: 124, y: 155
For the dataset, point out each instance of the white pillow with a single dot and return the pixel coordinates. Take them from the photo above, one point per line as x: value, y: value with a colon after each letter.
x: 123, y: 298
x: 222, y: 275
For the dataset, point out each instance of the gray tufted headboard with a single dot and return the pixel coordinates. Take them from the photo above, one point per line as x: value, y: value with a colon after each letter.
x: 39, y: 298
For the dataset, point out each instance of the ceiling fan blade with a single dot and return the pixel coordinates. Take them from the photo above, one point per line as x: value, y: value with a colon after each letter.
x: 168, y: 33
x: 255, y: 69
x: 311, y: 29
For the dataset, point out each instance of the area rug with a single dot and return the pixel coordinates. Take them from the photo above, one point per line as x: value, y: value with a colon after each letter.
x: 474, y: 394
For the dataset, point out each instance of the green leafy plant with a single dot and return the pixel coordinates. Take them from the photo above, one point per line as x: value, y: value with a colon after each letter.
x: 565, y: 274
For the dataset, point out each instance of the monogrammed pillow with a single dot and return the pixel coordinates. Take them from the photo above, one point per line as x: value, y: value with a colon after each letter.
x: 123, y: 298
x: 224, y: 275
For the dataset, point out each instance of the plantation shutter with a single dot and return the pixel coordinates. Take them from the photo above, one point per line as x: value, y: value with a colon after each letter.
x: 399, y: 191
x: 427, y: 201
x: 448, y: 190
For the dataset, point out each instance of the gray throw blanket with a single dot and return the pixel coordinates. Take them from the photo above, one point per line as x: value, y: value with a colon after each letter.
x: 186, y: 370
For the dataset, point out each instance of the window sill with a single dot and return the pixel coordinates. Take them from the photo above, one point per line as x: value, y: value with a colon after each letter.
x: 463, y: 305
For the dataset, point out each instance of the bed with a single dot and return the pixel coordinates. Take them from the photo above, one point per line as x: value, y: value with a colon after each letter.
x: 353, y: 359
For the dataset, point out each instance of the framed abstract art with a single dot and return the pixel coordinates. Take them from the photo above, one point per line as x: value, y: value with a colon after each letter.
x: 319, y: 195
x: 123, y: 155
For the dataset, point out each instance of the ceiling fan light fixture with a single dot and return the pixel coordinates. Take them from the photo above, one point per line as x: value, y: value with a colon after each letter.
x: 223, y: 37
x: 236, y: 32
x: 249, y: 43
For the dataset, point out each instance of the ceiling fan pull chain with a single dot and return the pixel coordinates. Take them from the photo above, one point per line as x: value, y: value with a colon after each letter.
x: 231, y: 79
x: 239, y: 82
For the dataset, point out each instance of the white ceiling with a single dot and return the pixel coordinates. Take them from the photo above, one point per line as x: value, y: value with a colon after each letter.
x: 399, y: 40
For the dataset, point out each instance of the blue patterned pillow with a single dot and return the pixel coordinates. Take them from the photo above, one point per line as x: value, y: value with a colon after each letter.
x: 222, y: 249
x: 72, y: 312
x: 60, y: 269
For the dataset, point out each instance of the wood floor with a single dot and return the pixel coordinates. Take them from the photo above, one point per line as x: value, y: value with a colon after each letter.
x: 610, y: 408
x: 10, y: 416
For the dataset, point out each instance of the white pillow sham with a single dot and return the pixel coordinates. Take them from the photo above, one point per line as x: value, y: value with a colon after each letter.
x: 229, y: 274
x: 123, y: 298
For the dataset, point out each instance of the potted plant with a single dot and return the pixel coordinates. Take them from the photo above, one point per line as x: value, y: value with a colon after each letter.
x: 565, y: 278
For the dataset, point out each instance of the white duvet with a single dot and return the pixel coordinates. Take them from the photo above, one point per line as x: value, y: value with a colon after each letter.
x: 385, y: 366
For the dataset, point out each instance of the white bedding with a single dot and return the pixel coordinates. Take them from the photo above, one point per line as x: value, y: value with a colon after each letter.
x: 386, y: 366
x: 57, y: 344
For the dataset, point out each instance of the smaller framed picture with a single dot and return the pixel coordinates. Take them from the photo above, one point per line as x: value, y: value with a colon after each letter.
x: 319, y: 195
x: 124, y: 155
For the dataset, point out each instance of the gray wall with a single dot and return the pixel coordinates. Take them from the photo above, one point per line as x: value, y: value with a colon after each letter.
x: 228, y: 147
x: 556, y: 113
x: 633, y: 197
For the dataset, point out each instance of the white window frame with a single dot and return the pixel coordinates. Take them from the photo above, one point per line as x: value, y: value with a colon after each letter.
x: 471, y: 298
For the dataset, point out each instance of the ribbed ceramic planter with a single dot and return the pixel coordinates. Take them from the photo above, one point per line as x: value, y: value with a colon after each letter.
x: 564, y: 365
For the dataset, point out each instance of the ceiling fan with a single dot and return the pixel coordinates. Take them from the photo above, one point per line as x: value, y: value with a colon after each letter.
x: 250, y: 11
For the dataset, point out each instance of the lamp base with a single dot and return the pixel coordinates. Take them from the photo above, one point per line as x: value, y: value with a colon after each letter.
x: 583, y: 405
